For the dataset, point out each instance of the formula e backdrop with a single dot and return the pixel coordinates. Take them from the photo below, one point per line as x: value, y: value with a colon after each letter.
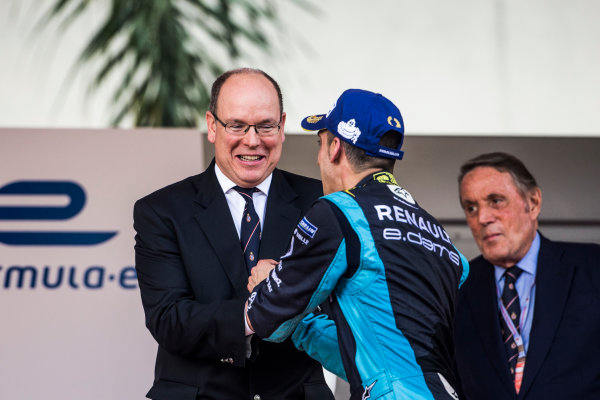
x: 72, y: 320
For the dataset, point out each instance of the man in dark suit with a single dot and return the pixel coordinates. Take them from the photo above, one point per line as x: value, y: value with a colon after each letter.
x: 193, y: 270
x: 528, y: 317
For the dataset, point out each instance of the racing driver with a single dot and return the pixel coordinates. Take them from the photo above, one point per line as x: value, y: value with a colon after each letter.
x: 385, y: 269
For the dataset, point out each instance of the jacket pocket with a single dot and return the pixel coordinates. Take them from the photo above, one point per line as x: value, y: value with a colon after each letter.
x: 169, y: 390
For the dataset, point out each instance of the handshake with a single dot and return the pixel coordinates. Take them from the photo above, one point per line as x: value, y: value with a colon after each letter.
x: 260, y: 272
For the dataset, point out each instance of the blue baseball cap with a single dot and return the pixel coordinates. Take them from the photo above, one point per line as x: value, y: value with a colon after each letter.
x: 361, y: 118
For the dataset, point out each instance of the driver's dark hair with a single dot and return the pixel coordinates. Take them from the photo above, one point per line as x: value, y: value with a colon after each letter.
x: 360, y: 161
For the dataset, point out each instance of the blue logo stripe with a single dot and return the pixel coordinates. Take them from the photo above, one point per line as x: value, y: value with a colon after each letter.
x: 307, y: 227
x: 54, y: 238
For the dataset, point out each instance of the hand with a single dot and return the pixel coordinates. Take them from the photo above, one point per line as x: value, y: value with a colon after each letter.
x: 260, y: 272
x: 249, y: 330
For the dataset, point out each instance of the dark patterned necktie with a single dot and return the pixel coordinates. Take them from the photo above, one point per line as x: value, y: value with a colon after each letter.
x: 510, y: 300
x: 250, y: 228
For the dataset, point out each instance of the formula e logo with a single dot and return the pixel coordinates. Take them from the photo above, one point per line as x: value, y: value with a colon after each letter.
x: 77, y: 199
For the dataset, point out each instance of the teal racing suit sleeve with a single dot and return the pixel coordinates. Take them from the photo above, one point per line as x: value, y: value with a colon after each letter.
x: 317, y: 336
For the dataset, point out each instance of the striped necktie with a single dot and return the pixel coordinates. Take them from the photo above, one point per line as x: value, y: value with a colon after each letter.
x: 510, y: 300
x: 250, y: 228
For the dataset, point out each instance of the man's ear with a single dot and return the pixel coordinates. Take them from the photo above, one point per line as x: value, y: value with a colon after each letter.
x: 282, y: 127
x: 335, y: 150
x: 211, y: 127
x: 534, y: 201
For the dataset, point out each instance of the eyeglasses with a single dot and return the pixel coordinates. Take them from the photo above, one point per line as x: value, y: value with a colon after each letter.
x: 240, y: 129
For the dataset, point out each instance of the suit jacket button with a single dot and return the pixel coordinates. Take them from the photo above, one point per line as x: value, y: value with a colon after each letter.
x: 256, y: 397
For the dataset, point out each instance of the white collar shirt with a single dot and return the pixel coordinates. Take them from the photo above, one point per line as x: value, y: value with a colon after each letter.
x: 236, y: 202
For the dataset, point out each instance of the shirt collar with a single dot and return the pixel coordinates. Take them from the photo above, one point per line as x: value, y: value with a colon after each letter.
x: 528, y: 263
x: 227, y: 184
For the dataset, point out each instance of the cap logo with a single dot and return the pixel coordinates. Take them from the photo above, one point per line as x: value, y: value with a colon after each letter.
x: 349, y: 130
x: 313, y: 119
x: 396, y: 123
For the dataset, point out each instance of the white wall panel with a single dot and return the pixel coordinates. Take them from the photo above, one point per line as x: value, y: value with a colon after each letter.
x: 84, y: 338
x: 453, y: 67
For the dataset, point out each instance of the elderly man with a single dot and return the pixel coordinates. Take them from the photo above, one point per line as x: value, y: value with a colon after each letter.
x: 528, y: 317
x: 387, y: 267
x: 198, y: 239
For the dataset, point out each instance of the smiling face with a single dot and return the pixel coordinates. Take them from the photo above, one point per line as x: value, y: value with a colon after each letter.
x: 247, y: 98
x: 502, y: 220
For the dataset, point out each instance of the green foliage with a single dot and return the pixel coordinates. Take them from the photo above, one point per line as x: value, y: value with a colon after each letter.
x: 167, y: 52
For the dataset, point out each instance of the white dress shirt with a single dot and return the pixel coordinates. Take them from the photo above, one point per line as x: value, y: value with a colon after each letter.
x: 236, y: 202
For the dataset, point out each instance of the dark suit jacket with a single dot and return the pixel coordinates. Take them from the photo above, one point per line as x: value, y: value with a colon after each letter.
x: 193, y: 280
x: 563, y: 360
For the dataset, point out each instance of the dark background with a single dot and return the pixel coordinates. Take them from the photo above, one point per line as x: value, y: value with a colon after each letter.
x: 566, y: 169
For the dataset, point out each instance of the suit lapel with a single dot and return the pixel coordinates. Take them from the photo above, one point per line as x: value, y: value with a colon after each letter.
x: 553, y: 281
x: 215, y: 220
x: 484, y: 308
x: 281, y: 217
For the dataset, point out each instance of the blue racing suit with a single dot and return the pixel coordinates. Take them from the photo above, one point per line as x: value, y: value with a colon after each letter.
x: 388, y: 276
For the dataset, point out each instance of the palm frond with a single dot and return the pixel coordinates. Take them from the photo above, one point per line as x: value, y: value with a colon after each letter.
x: 165, y: 66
